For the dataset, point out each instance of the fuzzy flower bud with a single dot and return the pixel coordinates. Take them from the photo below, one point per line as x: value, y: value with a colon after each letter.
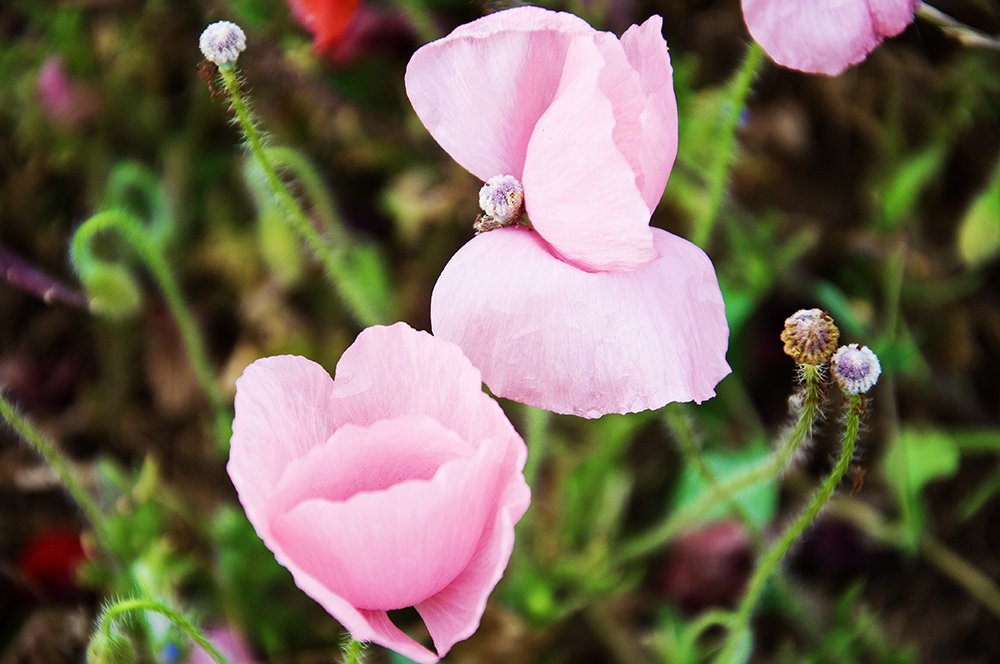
x: 502, y: 197
x: 222, y: 42
x: 856, y: 368
x: 111, y: 647
x: 810, y: 336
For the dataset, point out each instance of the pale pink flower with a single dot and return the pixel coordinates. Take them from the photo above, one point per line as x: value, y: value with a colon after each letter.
x: 824, y: 36
x: 396, y: 484
x: 65, y: 102
x: 594, y: 311
x: 228, y: 642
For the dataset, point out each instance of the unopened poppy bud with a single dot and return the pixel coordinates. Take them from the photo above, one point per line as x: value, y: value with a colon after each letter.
x: 502, y: 197
x: 110, y: 647
x: 856, y: 368
x: 810, y: 336
x: 222, y: 42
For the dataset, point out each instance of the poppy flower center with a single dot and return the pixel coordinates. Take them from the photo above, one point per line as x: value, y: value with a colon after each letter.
x: 502, y: 201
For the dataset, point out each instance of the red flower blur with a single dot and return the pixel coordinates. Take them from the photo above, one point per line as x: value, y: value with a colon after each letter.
x: 327, y: 20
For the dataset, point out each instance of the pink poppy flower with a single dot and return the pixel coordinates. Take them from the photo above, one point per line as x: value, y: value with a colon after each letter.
x: 396, y: 484
x: 593, y: 311
x: 824, y: 36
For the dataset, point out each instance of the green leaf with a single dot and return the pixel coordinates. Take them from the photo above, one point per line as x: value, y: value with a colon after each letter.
x: 900, y: 193
x: 915, y: 457
x: 760, y: 501
x: 979, y: 234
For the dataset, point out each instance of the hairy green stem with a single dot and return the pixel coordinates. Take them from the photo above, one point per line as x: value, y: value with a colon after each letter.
x: 724, y: 491
x: 358, y: 305
x: 61, y: 465
x: 353, y: 652
x: 127, y: 605
x: 133, y: 232
x: 679, y: 422
x: 774, y: 555
x: 738, y: 89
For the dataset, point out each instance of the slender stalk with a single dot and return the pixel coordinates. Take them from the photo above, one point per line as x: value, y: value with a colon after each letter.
x: 133, y: 232
x: 421, y: 19
x: 973, y: 580
x: 353, y: 652
x: 128, y: 605
x: 358, y: 305
x: 537, y: 421
x: 61, y: 465
x: 738, y: 89
x: 776, y: 553
x: 723, y: 491
x: 679, y: 422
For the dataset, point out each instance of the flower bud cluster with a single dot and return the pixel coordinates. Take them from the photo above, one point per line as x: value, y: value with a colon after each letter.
x: 810, y: 338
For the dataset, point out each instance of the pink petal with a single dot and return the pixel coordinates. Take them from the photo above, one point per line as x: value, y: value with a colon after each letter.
x: 552, y: 336
x: 282, y: 411
x: 824, y: 36
x: 890, y: 17
x: 389, y: 549
x: 393, y: 371
x: 480, y: 90
x: 647, y: 54
x: 380, y: 489
x: 454, y: 613
x: 579, y: 190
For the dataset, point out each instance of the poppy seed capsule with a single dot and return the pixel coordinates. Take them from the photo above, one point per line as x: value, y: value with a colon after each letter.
x: 502, y: 197
x: 810, y: 336
x: 856, y: 368
x: 222, y: 42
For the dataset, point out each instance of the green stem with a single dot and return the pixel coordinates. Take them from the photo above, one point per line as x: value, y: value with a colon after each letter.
x: 738, y: 89
x: 61, y: 465
x: 127, y: 605
x: 353, y: 652
x: 724, y: 491
x: 133, y: 232
x: 421, y: 19
x: 537, y: 421
x: 679, y: 422
x: 359, y: 306
x: 776, y: 553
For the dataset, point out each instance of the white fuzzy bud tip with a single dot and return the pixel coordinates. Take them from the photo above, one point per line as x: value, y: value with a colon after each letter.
x: 222, y: 42
x: 502, y: 197
x: 856, y: 368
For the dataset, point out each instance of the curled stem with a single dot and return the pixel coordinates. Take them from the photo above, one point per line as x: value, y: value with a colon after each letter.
x: 61, y: 465
x: 776, y: 553
x: 128, y: 605
x: 360, y: 306
x: 132, y: 231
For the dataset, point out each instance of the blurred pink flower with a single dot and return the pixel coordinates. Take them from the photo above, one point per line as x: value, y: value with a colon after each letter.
x: 65, y: 102
x: 228, y: 642
x: 594, y: 311
x: 396, y: 484
x: 824, y: 36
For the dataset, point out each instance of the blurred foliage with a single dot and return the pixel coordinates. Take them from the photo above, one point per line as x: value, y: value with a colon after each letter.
x: 875, y: 195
